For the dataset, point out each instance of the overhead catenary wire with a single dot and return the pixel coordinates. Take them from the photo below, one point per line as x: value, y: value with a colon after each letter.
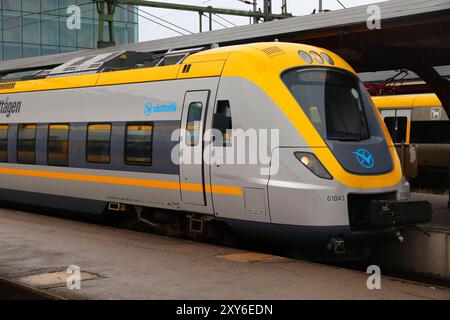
x: 341, y: 4
x: 177, y: 26
x: 235, y: 25
x: 176, y: 11
x: 168, y: 22
x: 151, y: 20
x: 221, y: 24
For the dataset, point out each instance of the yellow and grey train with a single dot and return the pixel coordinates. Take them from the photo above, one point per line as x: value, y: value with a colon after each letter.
x: 420, y: 128
x: 95, y: 134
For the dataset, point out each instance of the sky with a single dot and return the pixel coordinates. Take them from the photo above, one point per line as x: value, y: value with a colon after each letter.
x: 190, y: 21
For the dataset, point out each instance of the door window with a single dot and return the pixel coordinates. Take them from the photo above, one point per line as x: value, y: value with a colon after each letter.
x: 193, y: 123
x: 222, y: 122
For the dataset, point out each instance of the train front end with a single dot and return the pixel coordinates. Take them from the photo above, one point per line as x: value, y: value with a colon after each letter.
x: 338, y: 106
x: 339, y: 178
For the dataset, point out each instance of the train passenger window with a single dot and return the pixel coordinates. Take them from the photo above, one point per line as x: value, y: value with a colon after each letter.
x: 222, y: 122
x: 138, y: 143
x: 58, y: 145
x: 397, y: 128
x: 26, y: 143
x: 437, y: 132
x: 98, y: 146
x: 3, y: 143
x: 193, y: 123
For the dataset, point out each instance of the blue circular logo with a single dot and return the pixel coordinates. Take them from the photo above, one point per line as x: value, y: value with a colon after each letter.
x: 148, y: 109
x: 365, y: 158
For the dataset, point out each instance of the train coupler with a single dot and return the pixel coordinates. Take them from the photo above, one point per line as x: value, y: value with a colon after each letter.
x: 384, y: 213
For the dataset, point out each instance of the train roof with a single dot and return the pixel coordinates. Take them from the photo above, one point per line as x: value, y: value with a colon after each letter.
x: 132, y: 67
x: 407, y: 101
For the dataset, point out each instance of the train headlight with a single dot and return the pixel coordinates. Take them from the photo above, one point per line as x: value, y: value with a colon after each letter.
x: 310, y: 161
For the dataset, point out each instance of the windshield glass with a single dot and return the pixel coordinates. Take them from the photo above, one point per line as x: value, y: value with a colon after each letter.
x: 332, y: 100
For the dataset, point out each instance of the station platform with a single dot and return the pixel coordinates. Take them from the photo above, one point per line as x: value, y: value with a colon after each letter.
x: 425, y: 250
x: 36, y: 251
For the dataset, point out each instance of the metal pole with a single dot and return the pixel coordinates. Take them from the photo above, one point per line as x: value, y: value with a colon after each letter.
x: 200, y: 15
x: 284, y: 7
x: 320, y: 6
x: 101, y: 21
x: 108, y: 16
x: 111, y: 10
x: 210, y: 21
x: 255, y: 9
x: 267, y: 10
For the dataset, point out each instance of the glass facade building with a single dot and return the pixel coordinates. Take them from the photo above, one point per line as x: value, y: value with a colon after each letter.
x: 39, y: 27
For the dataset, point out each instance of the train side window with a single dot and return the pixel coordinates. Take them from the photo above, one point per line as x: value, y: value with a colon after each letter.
x: 193, y: 123
x: 98, y: 146
x: 138, y: 143
x: 26, y: 143
x: 3, y: 143
x: 437, y: 132
x: 397, y: 127
x: 222, y: 121
x: 58, y: 145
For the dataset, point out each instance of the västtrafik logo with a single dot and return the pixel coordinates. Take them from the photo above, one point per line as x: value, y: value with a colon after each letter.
x: 150, y: 108
x: 365, y: 158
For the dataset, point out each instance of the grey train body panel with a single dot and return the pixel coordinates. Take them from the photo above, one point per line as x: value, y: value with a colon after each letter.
x: 72, y: 204
x: 106, y: 192
x: 250, y: 112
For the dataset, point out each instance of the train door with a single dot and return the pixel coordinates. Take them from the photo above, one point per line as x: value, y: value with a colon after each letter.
x: 192, y: 182
x: 239, y: 190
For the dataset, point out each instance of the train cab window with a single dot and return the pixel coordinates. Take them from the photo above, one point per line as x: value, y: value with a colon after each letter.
x: 58, y: 144
x: 3, y: 143
x: 222, y: 122
x: 26, y: 143
x: 98, y: 146
x: 193, y: 123
x: 397, y: 128
x: 336, y: 103
x: 138, y: 143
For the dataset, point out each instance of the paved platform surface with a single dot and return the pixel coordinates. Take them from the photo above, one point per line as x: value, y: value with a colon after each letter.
x: 121, y: 264
x: 441, y: 212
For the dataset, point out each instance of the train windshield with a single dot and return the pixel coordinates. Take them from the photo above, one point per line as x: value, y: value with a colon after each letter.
x: 334, y: 101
